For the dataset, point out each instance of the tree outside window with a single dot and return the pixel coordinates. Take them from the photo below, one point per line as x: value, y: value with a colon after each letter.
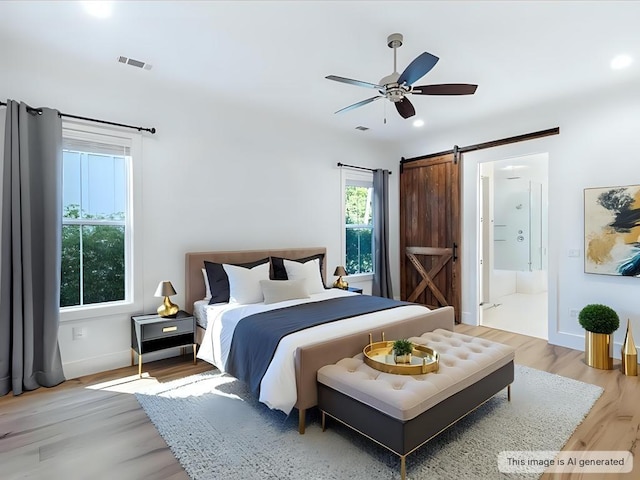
x: 95, y: 192
x: 358, y: 228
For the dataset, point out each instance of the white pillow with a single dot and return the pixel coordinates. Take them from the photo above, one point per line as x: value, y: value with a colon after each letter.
x: 207, y: 288
x: 244, y: 283
x: 310, y: 271
x: 280, y: 290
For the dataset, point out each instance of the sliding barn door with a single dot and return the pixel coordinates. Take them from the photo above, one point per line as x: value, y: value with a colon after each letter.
x: 430, y: 232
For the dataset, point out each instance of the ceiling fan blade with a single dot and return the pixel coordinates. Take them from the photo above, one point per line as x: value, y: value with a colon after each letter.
x: 445, y: 89
x: 405, y: 108
x: 357, y: 83
x: 359, y: 104
x: 418, y: 68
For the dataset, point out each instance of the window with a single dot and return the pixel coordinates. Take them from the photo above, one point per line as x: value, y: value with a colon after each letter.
x: 96, y: 218
x: 358, y: 220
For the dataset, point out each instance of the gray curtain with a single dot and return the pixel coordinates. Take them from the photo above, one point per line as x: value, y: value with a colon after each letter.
x: 30, y: 244
x: 382, y: 276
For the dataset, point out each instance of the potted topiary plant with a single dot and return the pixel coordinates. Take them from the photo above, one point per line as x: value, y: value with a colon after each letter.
x: 402, y: 351
x: 600, y: 322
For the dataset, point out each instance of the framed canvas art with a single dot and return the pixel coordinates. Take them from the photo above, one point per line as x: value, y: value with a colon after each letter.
x: 612, y: 230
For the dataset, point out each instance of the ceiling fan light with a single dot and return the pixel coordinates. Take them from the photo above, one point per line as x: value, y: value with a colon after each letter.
x: 418, y: 123
x: 396, y: 87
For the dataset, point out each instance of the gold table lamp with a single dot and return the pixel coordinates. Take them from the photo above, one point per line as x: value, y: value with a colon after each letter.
x: 340, y: 282
x: 165, y: 289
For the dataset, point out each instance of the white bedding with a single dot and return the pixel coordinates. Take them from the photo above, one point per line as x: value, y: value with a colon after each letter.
x: 278, y: 386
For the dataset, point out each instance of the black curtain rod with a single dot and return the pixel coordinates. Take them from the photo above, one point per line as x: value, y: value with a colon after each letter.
x: 359, y: 168
x: 151, y: 130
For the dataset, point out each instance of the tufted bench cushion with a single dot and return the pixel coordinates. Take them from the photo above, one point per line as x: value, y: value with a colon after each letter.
x: 464, y: 360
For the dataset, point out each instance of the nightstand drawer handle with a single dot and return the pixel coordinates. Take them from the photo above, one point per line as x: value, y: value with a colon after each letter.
x: 169, y: 329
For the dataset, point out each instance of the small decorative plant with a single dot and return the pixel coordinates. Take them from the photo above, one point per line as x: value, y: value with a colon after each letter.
x: 402, y: 347
x: 598, y: 318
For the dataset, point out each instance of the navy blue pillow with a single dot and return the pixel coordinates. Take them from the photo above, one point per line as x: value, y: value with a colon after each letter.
x: 219, y: 281
x: 279, y: 272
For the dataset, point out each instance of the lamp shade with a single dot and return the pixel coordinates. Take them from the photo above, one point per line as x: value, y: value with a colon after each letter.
x: 340, y: 271
x: 165, y: 289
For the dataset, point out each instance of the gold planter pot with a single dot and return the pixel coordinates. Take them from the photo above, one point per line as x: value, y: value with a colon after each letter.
x: 406, y: 358
x: 597, y: 350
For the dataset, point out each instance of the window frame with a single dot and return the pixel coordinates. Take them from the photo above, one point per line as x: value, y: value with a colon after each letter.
x: 133, y: 256
x: 353, y: 177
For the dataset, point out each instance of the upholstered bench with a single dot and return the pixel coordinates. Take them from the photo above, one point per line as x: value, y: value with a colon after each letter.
x: 402, y: 412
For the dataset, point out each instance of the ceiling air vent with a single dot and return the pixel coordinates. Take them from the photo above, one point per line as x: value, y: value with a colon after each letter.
x: 134, y: 63
x: 361, y: 128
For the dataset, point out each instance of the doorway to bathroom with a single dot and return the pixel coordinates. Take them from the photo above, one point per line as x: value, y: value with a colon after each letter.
x: 512, y: 237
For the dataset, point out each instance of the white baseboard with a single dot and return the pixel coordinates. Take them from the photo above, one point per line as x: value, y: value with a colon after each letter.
x: 468, y: 319
x: 112, y: 361
x: 576, y: 342
x: 102, y: 363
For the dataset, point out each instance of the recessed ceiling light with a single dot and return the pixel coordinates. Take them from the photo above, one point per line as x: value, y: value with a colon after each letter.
x: 96, y: 8
x: 418, y: 123
x: 621, y: 61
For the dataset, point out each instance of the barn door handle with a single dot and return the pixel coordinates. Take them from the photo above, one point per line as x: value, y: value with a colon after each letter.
x: 455, y: 251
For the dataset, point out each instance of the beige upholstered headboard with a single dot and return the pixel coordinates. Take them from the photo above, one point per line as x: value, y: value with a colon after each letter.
x: 194, y: 263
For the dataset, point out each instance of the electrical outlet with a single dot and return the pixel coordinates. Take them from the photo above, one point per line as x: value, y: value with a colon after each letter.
x: 573, y: 312
x: 78, y: 333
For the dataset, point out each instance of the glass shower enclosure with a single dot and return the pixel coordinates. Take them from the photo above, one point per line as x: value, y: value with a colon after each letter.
x: 518, y: 225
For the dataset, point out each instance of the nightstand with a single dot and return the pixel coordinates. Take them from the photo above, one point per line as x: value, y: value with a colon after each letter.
x: 352, y: 289
x: 150, y: 333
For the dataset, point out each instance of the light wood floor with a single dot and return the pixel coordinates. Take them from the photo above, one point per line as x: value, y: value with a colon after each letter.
x: 93, y: 427
x: 612, y: 423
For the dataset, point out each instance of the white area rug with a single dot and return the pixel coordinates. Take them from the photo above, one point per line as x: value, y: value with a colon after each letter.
x: 217, y: 430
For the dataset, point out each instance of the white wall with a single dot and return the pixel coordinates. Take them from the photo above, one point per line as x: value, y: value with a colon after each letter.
x: 216, y: 176
x: 221, y: 176
x: 598, y: 145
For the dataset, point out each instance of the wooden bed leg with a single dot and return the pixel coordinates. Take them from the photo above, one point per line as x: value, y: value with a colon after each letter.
x: 302, y: 413
x: 403, y: 467
x: 509, y: 392
x: 324, y: 426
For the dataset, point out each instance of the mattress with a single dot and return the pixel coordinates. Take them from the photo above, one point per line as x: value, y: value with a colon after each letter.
x: 278, y: 386
x: 200, y: 312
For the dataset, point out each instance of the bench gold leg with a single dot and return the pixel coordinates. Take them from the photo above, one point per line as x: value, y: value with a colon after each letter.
x: 403, y: 467
x: 509, y: 392
x: 194, y: 353
x: 324, y: 417
x: 139, y: 365
x: 302, y: 414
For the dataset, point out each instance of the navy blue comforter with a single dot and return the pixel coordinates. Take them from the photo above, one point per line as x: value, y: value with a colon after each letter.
x: 257, y: 336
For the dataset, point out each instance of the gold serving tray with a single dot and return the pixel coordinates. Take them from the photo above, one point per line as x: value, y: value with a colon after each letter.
x: 379, y: 355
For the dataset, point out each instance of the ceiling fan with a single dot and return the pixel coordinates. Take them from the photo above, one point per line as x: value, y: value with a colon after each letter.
x: 397, y: 86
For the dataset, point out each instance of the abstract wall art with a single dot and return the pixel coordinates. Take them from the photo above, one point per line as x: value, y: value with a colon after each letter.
x: 612, y: 230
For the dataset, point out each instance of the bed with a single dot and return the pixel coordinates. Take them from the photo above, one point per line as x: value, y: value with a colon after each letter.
x: 290, y: 380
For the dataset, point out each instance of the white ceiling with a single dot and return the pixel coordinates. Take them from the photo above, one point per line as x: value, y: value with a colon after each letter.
x: 275, y: 55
